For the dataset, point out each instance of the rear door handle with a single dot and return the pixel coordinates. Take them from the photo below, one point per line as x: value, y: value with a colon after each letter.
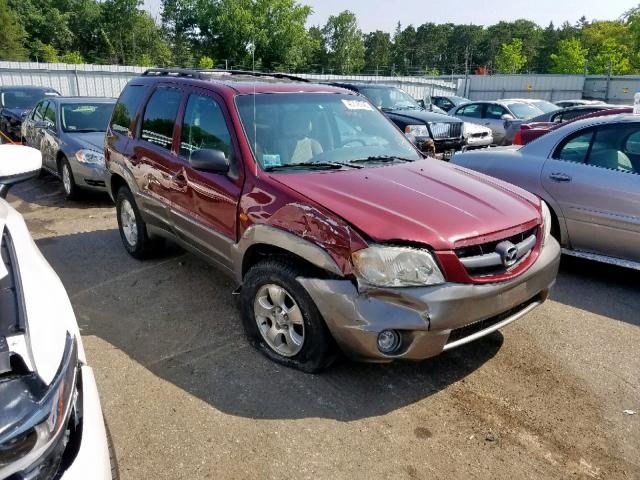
x: 560, y: 177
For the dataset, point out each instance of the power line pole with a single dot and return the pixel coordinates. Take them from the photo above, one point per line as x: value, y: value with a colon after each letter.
x: 466, y: 72
x: 606, y: 93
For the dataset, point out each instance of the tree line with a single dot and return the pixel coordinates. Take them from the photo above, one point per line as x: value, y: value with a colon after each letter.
x: 272, y: 35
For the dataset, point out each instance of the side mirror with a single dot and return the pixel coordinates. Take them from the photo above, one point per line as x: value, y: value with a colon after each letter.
x: 507, y: 118
x: 17, y: 164
x: 210, y: 160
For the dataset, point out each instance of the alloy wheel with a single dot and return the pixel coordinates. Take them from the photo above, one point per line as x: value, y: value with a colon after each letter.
x: 128, y: 223
x: 279, y: 320
x: 66, y: 179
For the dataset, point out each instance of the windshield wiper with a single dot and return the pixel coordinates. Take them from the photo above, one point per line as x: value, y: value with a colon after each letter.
x: 381, y: 159
x: 310, y: 166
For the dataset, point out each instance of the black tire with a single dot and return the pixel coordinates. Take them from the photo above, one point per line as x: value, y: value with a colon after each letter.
x: 318, y: 348
x: 71, y: 190
x: 143, y: 247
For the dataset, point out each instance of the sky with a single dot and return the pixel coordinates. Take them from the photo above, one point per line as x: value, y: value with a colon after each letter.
x: 385, y: 14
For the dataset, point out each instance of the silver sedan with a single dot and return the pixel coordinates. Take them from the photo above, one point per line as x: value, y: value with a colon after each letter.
x: 588, y: 172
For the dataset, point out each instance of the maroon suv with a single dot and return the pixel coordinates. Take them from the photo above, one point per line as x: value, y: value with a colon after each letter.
x: 334, y: 226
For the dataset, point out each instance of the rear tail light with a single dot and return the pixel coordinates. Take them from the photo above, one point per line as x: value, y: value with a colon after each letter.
x: 517, y: 139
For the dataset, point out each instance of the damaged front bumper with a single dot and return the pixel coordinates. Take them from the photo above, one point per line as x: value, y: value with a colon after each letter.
x: 429, y: 319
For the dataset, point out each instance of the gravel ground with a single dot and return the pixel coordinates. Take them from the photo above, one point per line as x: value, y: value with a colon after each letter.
x: 185, y: 397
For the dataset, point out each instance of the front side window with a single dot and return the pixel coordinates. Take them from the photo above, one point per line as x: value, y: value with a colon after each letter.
x: 473, y: 111
x: 616, y: 147
x: 576, y: 147
x: 85, y: 117
x: 318, y: 128
x: 159, y: 117
x: 204, y: 127
x: 495, y: 112
x: 126, y: 108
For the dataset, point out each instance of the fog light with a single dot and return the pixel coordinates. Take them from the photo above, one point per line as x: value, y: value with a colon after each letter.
x: 388, y: 341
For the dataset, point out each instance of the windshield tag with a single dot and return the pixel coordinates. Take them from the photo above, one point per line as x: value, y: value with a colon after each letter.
x: 271, y: 161
x: 357, y: 105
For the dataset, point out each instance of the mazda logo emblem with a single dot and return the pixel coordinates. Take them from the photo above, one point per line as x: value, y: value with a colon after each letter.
x: 508, y: 253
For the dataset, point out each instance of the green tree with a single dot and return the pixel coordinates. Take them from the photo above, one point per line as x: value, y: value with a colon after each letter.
x: 47, y: 53
x: 345, y: 48
x: 570, y: 58
x: 510, y: 58
x: 377, y: 50
x: 206, y: 63
x: 614, y: 54
x: 179, y: 18
x: 608, y: 42
x: 12, y: 34
x: 72, y: 58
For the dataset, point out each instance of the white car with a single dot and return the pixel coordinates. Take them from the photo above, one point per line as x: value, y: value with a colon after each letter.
x: 476, y: 136
x: 51, y: 424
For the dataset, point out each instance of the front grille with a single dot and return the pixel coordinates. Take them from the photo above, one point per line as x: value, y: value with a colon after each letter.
x: 473, y: 328
x: 445, y: 130
x: 480, y: 260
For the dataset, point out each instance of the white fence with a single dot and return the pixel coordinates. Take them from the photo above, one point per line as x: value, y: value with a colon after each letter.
x: 108, y: 80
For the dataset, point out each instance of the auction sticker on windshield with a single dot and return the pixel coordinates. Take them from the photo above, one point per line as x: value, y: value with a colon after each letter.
x: 357, y: 105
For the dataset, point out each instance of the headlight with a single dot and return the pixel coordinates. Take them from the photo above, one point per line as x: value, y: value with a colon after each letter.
x: 39, y: 414
x: 384, y: 266
x: 90, y: 156
x: 546, y: 221
x: 417, y: 130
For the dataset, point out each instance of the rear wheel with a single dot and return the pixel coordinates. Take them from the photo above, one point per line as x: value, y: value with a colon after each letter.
x: 280, y: 318
x: 133, y: 229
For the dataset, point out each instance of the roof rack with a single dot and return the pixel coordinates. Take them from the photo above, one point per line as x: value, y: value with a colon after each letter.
x: 206, y: 74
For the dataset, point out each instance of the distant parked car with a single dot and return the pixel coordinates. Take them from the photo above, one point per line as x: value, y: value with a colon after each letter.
x: 411, y: 118
x: 51, y: 424
x: 533, y: 129
x: 447, y: 103
x: 476, y: 136
x: 575, y: 103
x: 498, y: 115
x: 69, y: 131
x: 15, y: 103
x: 588, y: 172
x: 544, y: 105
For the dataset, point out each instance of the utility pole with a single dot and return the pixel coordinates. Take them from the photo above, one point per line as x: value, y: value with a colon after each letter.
x: 466, y: 72
x: 606, y: 93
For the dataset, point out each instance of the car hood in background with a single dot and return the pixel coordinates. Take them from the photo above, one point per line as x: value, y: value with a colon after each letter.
x: 426, y: 201
x: 17, y: 113
x: 422, y: 116
x: 88, y: 140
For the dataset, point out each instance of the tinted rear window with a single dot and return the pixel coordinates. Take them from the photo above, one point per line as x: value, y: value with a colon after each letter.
x: 160, y: 117
x: 126, y: 108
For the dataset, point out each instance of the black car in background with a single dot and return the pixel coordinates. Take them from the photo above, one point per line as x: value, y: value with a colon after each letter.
x: 15, y: 104
x: 447, y: 103
x: 411, y: 118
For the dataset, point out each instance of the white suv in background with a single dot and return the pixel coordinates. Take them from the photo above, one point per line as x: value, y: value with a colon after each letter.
x: 51, y: 424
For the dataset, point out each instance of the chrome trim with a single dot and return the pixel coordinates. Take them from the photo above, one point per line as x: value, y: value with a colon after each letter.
x: 494, y: 259
x: 495, y: 327
x: 619, y: 262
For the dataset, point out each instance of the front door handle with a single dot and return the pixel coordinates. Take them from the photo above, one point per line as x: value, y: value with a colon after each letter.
x: 179, y: 181
x: 560, y: 177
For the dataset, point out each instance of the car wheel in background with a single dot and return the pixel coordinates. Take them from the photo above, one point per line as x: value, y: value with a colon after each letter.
x: 68, y: 183
x: 133, y: 229
x: 280, y: 318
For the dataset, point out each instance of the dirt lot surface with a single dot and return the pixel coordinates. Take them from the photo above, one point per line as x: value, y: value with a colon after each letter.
x: 185, y: 397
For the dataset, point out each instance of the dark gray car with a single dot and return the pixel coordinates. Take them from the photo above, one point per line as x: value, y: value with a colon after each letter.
x: 588, y: 172
x: 69, y: 131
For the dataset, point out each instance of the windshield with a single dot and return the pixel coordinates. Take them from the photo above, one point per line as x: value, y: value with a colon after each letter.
x: 390, y: 98
x: 458, y: 100
x: 309, y: 129
x: 85, y: 117
x: 546, y: 107
x: 23, y: 99
x: 524, y: 111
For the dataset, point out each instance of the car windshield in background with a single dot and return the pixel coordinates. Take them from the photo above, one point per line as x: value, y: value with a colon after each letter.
x: 546, y: 107
x: 85, y: 117
x: 524, y: 111
x: 390, y: 98
x: 458, y: 100
x: 315, y: 130
x: 23, y: 99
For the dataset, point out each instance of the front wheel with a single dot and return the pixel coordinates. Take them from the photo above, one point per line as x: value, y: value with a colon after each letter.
x: 68, y: 183
x: 281, y: 320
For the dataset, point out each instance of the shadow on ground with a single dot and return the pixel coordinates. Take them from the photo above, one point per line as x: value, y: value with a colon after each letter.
x: 47, y: 191
x: 176, y: 317
x: 606, y: 290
